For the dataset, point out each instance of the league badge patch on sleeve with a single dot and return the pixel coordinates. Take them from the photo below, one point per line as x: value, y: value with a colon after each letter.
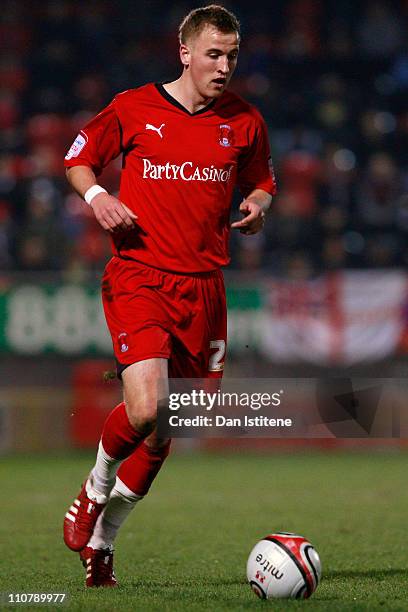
x: 77, y: 146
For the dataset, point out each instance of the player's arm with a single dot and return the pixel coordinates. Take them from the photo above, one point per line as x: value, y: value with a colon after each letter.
x: 256, y: 179
x: 253, y: 208
x: 112, y: 214
x: 94, y: 148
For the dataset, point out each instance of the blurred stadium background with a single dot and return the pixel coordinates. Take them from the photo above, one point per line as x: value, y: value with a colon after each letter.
x: 323, y: 291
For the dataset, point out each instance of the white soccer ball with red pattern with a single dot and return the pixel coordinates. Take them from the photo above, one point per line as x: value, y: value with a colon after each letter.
x: 284, y: 565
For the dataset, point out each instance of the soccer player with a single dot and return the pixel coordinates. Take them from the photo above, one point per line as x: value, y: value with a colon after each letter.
x: 185, y: 145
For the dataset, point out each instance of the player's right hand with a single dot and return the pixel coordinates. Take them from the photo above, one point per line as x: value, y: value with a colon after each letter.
x: 112, y: 214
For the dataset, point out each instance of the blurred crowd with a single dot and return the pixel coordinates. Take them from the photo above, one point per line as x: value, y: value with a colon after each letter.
x: 331, y: 79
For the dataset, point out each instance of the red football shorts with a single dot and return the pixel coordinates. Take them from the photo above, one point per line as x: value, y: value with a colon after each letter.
x: 151, y: 313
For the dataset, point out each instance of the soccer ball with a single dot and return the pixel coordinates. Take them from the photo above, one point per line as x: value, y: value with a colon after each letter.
x: 283, y: 565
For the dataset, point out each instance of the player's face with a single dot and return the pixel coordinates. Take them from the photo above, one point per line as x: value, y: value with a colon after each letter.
x: 211, y: 57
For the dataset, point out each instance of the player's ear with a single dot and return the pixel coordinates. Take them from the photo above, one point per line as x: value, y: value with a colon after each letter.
x: 185, y: 55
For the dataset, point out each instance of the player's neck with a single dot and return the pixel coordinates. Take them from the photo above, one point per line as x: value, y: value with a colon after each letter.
x: 185, y: 93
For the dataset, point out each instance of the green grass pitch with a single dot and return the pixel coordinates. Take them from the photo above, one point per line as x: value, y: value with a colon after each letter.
x: 185, y: 546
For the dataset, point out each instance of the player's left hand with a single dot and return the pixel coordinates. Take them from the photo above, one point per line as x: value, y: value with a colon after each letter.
x: 254, y: 218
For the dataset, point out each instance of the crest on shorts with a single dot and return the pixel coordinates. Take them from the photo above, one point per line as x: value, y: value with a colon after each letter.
x: 226, y: 135
x: 123, y: 342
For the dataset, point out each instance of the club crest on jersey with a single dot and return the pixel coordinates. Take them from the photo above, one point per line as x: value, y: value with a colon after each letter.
x: 77, y: 146
x: 226, y: 135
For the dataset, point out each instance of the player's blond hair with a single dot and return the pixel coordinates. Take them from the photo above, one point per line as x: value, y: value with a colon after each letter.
x: 214, y: 15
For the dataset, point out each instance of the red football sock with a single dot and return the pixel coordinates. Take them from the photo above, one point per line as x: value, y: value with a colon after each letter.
x: 119, y: 438
x: 141, y: 468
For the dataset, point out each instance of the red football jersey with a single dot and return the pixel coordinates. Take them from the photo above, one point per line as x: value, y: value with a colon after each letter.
x: 179, y: 172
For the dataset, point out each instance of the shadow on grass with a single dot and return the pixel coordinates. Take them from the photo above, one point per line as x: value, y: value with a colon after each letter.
x: 189, y: 583
x: 374, y: 573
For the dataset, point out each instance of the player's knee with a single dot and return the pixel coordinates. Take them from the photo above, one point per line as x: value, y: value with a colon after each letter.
x: 142, y: 416
x: 158, y: 445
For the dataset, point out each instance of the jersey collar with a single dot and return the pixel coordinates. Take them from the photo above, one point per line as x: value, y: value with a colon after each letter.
x: 174, y: 102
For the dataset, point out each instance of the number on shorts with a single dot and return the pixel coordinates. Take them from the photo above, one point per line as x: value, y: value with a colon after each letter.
x: 216, y: 361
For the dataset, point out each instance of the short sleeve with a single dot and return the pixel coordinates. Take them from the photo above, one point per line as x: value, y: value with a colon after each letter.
x: 255, y: 169
x: 98, y: 142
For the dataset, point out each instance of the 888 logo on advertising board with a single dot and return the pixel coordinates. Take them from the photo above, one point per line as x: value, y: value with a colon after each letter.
x: 66, y: 319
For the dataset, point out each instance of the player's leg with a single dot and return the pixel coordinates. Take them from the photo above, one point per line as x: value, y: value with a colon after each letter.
x: 191, y: 349
x: 145, y: 386
x: 124, y: 430
x: 137, y: 324
x: 137, y: 473
x: 139, y: 470
x: 133, y: 482
x: 198, y: 352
